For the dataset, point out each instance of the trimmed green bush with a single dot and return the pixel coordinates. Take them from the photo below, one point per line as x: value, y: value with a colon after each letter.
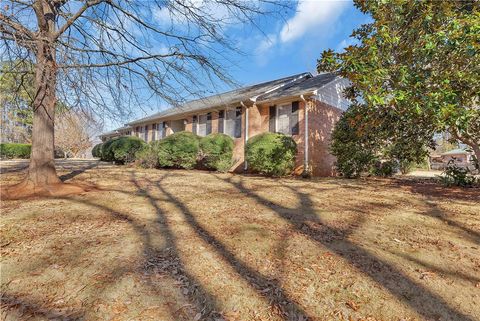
x: 147, y: 157
x: 13, y: 150
x: 217, y: 152
x: 122, y: 150
x: 179, y: 150
x: 271, y: 154
x: 97, y: 150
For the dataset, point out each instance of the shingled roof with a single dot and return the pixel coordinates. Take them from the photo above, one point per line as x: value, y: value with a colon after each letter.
x: 228, y: 98
x: 294, y: 85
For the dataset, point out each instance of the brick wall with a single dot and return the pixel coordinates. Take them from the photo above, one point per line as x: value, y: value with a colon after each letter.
x: 321, y: 121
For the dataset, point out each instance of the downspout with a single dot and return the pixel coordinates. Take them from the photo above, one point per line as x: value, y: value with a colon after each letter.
x: 245, y: 138
x: 306, y: 170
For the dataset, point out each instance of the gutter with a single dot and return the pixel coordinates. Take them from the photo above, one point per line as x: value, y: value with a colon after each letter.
x: 245, y: 137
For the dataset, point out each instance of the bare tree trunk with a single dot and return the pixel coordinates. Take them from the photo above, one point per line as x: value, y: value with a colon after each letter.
x: 42, y: 167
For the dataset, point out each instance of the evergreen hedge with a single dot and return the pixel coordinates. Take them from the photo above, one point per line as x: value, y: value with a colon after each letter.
x: 179, y: 150
x: 271, y: 154
x: 121, y: 150
x: 217, y: 152
x: 97, y: 150
x: 14, y: 150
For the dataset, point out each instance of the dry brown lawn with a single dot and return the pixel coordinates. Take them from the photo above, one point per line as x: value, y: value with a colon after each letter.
x: 193, y: 245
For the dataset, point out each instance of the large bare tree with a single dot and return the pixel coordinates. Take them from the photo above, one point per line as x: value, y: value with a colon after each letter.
x: 112, y: 55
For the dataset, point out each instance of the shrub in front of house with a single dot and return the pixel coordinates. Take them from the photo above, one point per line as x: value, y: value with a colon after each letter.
x: 216, y: 152
x: 14, y: 150
x: 97, y: 150
x: 179, y: 150
x: 271, y: 154
x: 147, y: 157
x: 122, y: 150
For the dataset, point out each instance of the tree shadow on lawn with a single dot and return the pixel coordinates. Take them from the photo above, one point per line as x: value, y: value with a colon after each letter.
x: 265, y: 287
x: 165, y: 260
x: 437, y: 213
x: 26, y: 309
x: 420, y: 299
x: 77, y: 170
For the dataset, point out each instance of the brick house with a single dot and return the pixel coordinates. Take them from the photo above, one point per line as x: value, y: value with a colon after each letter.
x: 303, y: 106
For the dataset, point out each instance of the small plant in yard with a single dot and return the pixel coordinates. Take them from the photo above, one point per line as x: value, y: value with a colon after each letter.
x: 12, y: 150
x: 97, y: 150
x: 457, y: 176
x: 147, y: 157
x: 217, y: 152
x: 179, y: 150
x: 122, y: 150
x: 271, y: 154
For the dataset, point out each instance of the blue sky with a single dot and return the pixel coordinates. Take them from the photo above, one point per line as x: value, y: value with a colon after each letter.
x: 283, y: 46
x: 293, y: 46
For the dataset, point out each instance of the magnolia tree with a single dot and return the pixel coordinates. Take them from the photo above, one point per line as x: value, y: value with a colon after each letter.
x: 111, y: 55
x: 414, y: 72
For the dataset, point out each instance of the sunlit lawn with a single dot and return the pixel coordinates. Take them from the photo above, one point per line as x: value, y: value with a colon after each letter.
x: 193, y: 245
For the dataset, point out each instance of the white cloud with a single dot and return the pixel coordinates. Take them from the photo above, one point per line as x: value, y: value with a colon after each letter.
x: 311, y: 15
x: 346, y: 43
x: 267, y: 43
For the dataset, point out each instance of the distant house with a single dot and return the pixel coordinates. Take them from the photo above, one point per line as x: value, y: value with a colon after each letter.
x: 458, y: 156
x: 303, y: 106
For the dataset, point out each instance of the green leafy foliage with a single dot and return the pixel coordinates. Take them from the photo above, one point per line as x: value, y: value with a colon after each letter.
x: 147, y: 157
x: 457, y: 176
x: 384, y: 169
x: 414, y: 71
x: 271, y: 154
x: 121, y: 150
x: 217, y: 152
x: 97, y: 150
x: 12, y: 150
x: 179, y: 150
x: 353, y: 149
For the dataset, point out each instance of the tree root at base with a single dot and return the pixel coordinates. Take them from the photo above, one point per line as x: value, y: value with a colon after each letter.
x: 26, y: 189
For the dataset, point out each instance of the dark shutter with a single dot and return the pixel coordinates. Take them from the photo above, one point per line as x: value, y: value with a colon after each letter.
x: 221, y: 117
x: 164, y: 132
x: 146, y: 133
x: 294, y: 118
x: 238, y: 122
x: 209, y: 124
x: 194, y: 124
x: 271, y: 118
x: 154, y: 132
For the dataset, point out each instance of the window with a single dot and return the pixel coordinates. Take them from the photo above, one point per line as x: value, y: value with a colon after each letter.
x: 202, y: 125
x: 221, y: 120
x: 160, y: 130
x: 137, y: 131
x: 233, y: 122
x: 194, y: 124
x: 209, y: 124
x: 154, y: 131
x: 145, y: 137
x: 284, y: 119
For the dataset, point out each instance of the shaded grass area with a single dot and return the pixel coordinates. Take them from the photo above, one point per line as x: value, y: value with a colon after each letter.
x: 190, y: 245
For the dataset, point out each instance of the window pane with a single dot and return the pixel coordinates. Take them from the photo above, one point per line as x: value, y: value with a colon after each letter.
x: 283, y: 119
x: 230, y: 123
x: 202, y: 125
